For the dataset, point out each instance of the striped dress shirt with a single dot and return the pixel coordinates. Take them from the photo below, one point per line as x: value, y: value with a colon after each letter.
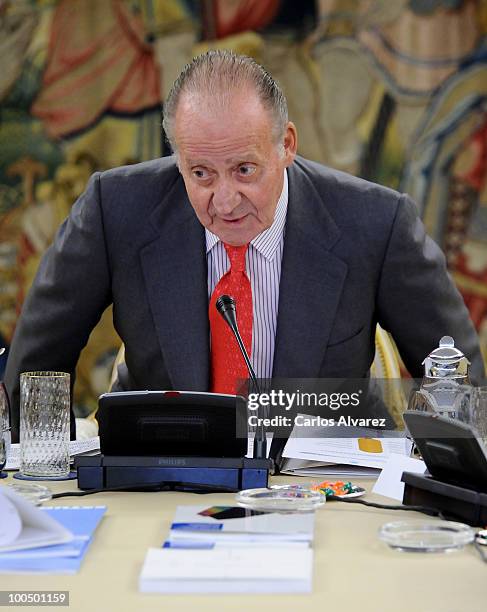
x: 263, y: 263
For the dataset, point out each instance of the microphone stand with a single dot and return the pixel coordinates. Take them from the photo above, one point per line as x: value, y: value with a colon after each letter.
x: 225, y: 305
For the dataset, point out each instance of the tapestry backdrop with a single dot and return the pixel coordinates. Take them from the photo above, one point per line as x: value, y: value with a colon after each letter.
x: 392, y: 90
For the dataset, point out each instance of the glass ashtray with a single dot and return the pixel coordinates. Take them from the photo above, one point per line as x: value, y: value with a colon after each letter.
x: 426, y: 536
x: 281, y: 498
x: 33, y: 492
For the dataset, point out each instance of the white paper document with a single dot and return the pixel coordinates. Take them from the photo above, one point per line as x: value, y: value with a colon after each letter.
x: 389, y: 482
x: 302, y: 467
x: 23, y: 526
x: 228, y: 570
x: 362, y: 446
x: 190, y: 525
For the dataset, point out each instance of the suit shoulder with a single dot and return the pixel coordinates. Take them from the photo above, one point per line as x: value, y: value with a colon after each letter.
x: 343, y: 191
x: 159, y: 171
x: 137, y: 189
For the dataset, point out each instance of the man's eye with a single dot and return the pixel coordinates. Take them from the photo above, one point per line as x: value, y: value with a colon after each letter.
x: 200, y: 173
x: 246, y: 170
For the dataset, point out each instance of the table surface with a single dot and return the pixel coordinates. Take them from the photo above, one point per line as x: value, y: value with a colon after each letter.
x: 353, y: 569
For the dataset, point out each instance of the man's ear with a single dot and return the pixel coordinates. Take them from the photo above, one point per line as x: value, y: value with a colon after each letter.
x: 290, y: 143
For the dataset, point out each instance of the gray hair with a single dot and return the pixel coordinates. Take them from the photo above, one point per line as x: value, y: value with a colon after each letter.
x: 217, y: 74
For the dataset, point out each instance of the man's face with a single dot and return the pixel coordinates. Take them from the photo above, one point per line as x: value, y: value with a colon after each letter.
x: 232, y: 166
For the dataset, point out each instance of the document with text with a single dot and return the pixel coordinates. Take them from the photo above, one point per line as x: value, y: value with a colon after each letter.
x: 359, y: 446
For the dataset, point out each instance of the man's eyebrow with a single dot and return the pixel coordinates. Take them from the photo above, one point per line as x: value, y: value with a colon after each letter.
x: 196, y: 162
x: 241, y: 159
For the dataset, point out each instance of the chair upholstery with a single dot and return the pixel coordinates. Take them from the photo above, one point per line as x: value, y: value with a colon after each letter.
x: 86, y: 428
x: 386, y: 365
x: 119, y: 359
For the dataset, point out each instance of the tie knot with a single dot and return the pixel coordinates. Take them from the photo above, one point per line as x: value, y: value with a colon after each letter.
x: 236, y: 255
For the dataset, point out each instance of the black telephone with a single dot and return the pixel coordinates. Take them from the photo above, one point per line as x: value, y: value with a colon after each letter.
x: 457, y: 464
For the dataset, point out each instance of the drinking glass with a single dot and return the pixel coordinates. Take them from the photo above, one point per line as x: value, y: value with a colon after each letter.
x: 44, y: 424
x: 4, y: 427
x: 478, y: 412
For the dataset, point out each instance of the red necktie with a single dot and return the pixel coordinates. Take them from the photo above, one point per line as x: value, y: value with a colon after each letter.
x: 227, y: 363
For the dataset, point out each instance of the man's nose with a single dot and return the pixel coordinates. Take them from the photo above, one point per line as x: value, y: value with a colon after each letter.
x: 226, y: 198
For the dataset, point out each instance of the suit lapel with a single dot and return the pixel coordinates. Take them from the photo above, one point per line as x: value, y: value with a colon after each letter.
x: 312, y: 280
x: 175, y: 274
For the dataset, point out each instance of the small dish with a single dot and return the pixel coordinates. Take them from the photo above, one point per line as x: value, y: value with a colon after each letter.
x: 33, y: 492
x: 281, y: 498
x: 426, y: 536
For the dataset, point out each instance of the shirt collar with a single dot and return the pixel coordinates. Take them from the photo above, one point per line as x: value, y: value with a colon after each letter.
x: 267, y: 241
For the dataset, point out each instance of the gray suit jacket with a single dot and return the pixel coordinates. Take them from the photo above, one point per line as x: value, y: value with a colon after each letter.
x: 355, y: 254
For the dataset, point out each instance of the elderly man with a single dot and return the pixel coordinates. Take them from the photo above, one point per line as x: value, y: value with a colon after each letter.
x: 315, y: 258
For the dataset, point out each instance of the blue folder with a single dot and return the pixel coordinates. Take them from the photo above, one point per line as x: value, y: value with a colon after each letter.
x: 66, y: 558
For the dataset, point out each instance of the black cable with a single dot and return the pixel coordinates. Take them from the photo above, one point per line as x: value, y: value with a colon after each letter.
x: 164, y: 485
x: 192, y: 487
x: 423, y: 509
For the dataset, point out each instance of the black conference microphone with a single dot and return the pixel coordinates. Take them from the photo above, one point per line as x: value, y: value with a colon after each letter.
x: 225, y: 305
